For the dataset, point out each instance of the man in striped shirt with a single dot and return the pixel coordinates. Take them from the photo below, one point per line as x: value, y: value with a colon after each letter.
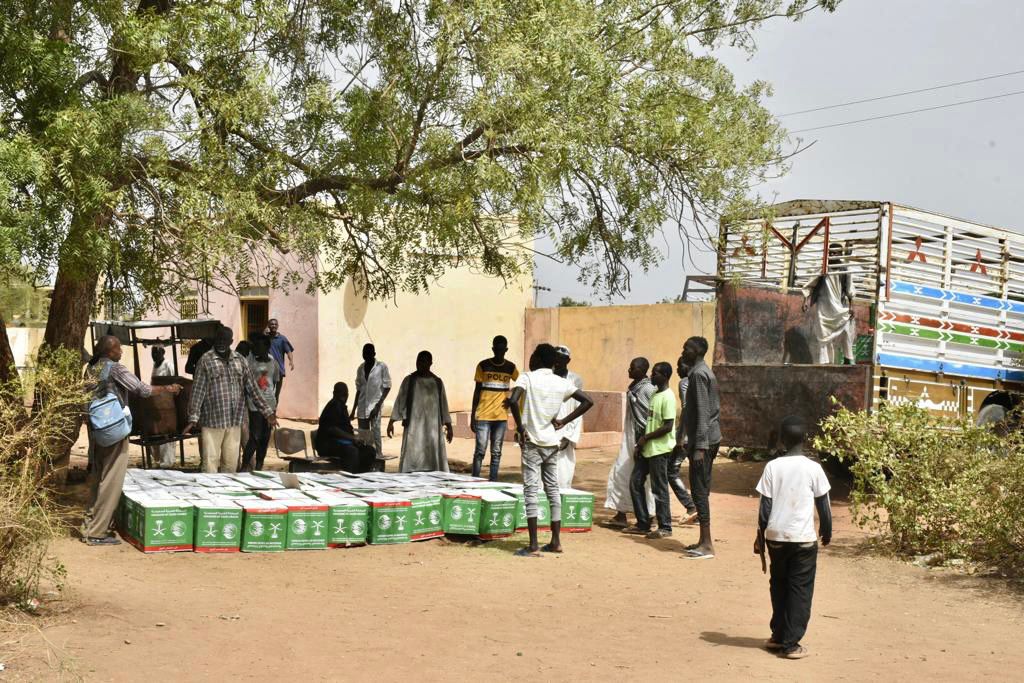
x: 223, y: 381
x: 489, y: 416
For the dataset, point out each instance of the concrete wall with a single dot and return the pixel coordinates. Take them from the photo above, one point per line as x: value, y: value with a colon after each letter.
x: 603, y: 339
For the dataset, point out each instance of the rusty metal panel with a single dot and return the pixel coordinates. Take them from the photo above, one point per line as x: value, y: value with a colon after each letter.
x: 755, y: 398
x: 766, y: 326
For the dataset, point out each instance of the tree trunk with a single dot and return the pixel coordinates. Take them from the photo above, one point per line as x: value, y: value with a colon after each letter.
x: 70, y: 311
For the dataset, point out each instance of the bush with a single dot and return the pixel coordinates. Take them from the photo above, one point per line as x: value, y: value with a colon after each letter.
x: 932, y: 485
x: 29, y: 515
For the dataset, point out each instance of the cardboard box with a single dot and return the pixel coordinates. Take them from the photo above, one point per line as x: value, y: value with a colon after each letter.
x: 577, y: 511
x: 390, y: 519
x: 460, y: 512
x: 497, y: 515
x: 543, y: 509
x: 218, y: 526
x: 426, y: 515
x: 347, y: 520
x: 265, y: 526
x: 307, y: 524
x: 158, y: 524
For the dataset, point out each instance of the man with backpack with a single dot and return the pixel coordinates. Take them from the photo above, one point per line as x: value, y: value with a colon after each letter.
x: 110, y: 425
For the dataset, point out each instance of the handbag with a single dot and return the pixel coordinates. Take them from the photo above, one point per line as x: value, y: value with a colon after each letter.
x: 110, y: 421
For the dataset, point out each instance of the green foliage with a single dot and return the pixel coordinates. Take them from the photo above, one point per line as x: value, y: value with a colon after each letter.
x: 932, y: 485
x: 569, y: 302
x: 29, y: 516
x: 165, y: 142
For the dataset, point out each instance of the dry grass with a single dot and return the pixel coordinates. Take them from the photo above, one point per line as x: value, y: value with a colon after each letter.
x: 29, y: 515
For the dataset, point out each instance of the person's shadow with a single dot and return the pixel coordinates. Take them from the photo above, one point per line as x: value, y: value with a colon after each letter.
x: 716, y: 638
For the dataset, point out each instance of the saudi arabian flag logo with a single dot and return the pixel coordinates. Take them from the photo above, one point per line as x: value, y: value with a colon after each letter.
x: 456, y: 512
x: 256, y: 529
x: 299, y: 526
x: 384, y: 522
x: 435, y: 517
x: 229, y: 531
x: 358, y: 527
x: 178, y: 529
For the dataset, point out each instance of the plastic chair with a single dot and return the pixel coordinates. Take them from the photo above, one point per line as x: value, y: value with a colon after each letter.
x: 290, y: 442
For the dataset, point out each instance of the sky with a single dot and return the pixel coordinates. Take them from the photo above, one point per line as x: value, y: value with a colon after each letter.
x: 963, y: 161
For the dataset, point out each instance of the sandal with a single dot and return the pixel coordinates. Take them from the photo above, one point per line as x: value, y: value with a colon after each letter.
x: 795, y: 652
x: 526, y: 552
x: 698, y: 555
x: 546, y: 548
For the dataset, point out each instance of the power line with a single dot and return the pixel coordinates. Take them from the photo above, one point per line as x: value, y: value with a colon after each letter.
x: 905, y: 92
x: 911, y: 111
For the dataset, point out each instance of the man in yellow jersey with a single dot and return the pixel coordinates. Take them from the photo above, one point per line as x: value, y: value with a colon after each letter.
x: 489, y: 417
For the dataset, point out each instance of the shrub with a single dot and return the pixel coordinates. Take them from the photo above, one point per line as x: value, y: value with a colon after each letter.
x: 932, y: 485
x: 29, y: 515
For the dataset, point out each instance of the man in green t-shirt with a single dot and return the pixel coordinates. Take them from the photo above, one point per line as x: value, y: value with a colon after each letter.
x: 653, y: 451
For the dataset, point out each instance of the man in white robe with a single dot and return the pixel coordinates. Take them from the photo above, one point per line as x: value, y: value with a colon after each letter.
x: 570, y: 433
x: 638, y: 408
x: 832, y: 295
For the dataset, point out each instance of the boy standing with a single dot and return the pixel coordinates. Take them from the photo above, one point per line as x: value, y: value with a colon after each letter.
x: 488, y: 416
x: 791, y: 488
x: 542, y: 394
x: 652, y: 453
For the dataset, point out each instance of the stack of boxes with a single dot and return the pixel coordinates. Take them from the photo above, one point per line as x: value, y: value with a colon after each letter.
x: 166, y: 510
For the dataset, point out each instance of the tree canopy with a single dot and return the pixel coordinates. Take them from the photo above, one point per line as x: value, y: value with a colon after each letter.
x: 161, y: 142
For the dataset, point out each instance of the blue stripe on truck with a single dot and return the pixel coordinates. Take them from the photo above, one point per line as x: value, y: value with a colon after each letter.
x: 890, y: 360
x: 959, y: 297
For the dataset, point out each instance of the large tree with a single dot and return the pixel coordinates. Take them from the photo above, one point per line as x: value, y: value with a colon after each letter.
x: 158, y: 142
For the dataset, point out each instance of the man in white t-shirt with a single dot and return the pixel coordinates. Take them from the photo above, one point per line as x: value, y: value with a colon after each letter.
x: 791, y: 488
x: 536, y: 399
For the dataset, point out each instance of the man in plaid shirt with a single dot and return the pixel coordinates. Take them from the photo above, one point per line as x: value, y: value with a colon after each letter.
x: 222, y: 383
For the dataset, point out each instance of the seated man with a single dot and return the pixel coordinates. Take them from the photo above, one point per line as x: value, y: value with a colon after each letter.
x: 335, y: 439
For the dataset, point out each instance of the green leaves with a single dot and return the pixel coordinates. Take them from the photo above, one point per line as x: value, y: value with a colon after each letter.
x: 933, y: 485
x: 315, y: 141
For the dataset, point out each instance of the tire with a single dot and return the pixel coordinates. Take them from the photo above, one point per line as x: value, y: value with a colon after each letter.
x: 994, y: 414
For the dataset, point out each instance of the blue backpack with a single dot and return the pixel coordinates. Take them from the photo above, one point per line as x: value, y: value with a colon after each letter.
x: 109, y: 420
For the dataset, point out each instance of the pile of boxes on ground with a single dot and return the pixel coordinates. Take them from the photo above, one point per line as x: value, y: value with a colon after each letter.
x: 168, y: 510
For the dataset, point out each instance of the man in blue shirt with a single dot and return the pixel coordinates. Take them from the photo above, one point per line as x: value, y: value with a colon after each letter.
x: 279, y: 348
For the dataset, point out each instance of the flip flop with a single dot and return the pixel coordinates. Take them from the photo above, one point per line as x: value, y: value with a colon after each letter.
x: 546, y: 548
x: 526, y: 552
x: 690, y: 518
x: 698, y: 555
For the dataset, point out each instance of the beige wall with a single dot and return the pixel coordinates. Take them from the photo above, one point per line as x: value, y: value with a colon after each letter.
x: 455, y: 321
x: 603, y: 339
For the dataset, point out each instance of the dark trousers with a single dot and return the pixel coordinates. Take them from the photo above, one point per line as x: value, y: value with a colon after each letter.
x: 657, y: 468
x: 259, y: 439
x: 353, y: 457
x: 277, y: 389
x: 676, y: 483
x: 700, y: 483
x: 792, y: 587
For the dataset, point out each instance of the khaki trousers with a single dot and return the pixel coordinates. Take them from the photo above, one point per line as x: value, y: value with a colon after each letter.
x: 111, y: 463
x: 220, y: 448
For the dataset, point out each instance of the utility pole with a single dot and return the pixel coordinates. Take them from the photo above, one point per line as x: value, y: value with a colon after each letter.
x: 536, y: 290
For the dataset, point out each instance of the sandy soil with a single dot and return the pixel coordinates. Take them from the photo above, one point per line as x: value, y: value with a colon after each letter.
x: 612, y: 606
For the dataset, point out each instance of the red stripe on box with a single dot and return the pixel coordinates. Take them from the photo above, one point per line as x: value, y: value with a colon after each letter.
x: 236, y: 549
x: 577, y: 530
x: 426, y: 536
x: 491, y: 537
x: 389, y: 504
x: 346, y: 545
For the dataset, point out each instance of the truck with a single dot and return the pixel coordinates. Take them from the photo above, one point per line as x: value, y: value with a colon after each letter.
x: 938, y: 308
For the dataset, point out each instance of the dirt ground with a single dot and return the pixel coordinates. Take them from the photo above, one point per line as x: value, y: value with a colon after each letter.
x: 613, y: 605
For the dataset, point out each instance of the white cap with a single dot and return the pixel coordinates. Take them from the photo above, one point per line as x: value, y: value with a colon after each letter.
x: 563, y: 350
